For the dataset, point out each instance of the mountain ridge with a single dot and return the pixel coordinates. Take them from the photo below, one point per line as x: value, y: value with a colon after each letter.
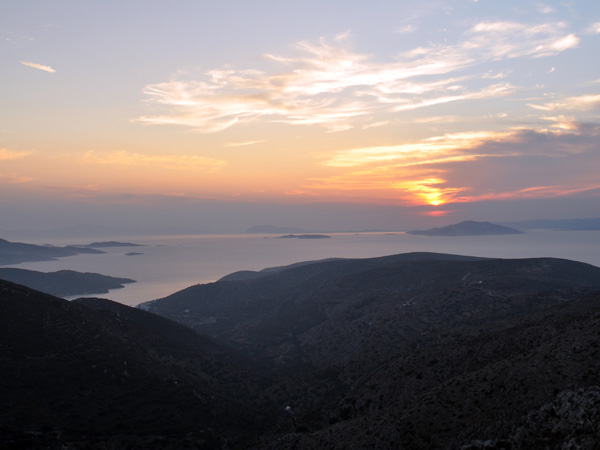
x: 416, y: 350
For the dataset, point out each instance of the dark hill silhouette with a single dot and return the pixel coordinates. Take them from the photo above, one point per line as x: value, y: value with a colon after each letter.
x: 467, y: 228
x: 280, y: 308
x: 532, y: 385
x: 251, y: 274
x: 411, y: 351
x: 97, y: 374
x: 415, y: 351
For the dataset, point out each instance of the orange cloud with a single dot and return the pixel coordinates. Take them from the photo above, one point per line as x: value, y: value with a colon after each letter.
x: 464, y: 167
x: 14, y: 178
x: 7, y: 155
x: 446, y: 148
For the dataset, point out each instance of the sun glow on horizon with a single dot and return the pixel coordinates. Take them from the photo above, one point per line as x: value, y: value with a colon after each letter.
x: 467, y: 103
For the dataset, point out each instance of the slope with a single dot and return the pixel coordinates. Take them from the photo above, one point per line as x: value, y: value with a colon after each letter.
x: 108, y: 375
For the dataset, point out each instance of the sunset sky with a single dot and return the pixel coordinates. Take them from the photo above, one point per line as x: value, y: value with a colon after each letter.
x: 226, y: 114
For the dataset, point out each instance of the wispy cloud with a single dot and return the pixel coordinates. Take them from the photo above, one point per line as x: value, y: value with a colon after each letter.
x: 581, y: 102
x: 243, y: 144
x: 594, y: 28
x: 329, y: 84
x: 472, y: 166
x: 13, y: 178
x: 450, y: 147
x: 6, y: 154
x: 38, y: 66
x: 405, y: 29
x: 545, y: 8
x: 173, y: 162
x: 494, y: 75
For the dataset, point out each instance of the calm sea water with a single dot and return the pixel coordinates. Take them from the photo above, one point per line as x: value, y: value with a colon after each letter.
x: 172, y: 263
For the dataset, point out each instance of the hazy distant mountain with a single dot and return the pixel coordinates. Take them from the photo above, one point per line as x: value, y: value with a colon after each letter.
x: 416, y: 351
x: 565, y: 224
x: 64, y: 283
x: 17, y: 252
x: 97, y: 231
x: 109, y: 244
x: 467, y: 228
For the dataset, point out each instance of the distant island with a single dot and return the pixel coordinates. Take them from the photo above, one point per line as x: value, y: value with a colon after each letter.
x: 110, y: 244
x: 467, y: 228
x: 563, y: 224
x: 64, y: 283
x: 304, y: 236
x: 18, y: 252
x: 272, y: 229
x: 133, y: 254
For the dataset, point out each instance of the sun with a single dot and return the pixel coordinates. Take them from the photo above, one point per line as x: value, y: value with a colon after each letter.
x: 428, y: 191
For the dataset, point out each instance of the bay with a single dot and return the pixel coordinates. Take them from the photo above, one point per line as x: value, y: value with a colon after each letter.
x: 170, y: 263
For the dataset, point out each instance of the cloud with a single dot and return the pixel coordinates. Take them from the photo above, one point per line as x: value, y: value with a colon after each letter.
x: 450, y: 147
x: 594, y: 28
x: 242, y: 144
x: 582, y: 102
x: 465, y: 167
x: 38, y: 66
x: 329, y: 84
x: 406, y: 29
x: 494, y: 76
x: 7, y: 155
x: 13, y: 178
x: 172, y: 162
x: 376, y: 124
x: 545, y: 9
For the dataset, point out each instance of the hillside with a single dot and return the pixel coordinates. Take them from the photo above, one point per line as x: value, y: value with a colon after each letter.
x: 415, y: 351
x: 411, y: 351
x: 467, y: 228
x: 97, y: 374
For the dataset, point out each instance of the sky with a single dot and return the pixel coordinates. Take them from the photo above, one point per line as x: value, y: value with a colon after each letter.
x: 217, y: 116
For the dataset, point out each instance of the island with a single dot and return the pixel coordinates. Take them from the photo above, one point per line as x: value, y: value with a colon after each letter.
x: 272, y: 229
x: 108, y: 244
x: 304, y: 236
x: 64, y: 283
x: 467, y: 228
x: 18, y: 252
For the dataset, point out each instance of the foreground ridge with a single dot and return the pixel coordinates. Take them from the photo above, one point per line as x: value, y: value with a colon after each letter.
x: 416, y: 351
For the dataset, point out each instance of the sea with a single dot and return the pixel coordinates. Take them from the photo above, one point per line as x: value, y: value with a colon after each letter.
x: 167, y: 264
